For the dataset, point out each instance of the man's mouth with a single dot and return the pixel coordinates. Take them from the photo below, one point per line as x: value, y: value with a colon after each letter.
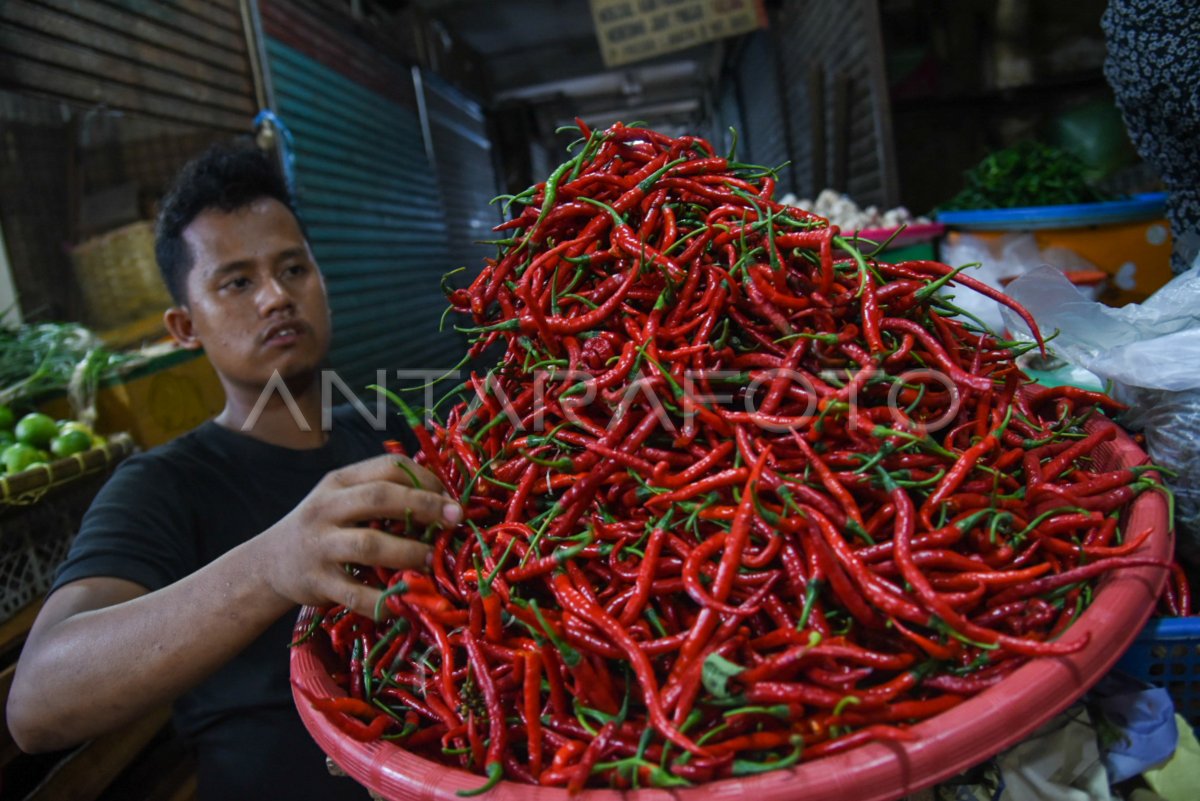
x: 284, y: 334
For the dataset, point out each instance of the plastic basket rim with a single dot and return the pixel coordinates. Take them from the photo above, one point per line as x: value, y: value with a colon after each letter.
x: 1172, y: 628
x: 946, y: 744
x: 1138, y: 208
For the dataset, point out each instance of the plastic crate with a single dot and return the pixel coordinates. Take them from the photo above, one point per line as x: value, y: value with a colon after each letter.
x: 40, y: 511
x: 1167, y: 654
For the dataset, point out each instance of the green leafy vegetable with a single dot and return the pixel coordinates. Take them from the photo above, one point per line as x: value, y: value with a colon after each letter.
x: 39, y: 358
x: 1028, y: 174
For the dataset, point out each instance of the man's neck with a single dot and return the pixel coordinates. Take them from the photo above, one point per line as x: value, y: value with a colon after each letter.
x: 291, y: 421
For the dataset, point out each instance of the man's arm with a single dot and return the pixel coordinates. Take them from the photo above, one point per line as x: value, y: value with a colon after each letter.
x: 104, y: 651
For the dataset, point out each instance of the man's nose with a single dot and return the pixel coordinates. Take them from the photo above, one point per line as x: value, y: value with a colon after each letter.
x: 273, y: 296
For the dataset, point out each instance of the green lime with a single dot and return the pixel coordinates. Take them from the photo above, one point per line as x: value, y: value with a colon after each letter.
x: 70, y: 442
x: 7, y: 418
x: 36, y: 429
x: 19, y: 456
x: 74, y: 425
x: 6, y: 438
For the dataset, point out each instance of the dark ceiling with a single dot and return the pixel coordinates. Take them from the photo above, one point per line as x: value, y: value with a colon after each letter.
x: 544, y: 53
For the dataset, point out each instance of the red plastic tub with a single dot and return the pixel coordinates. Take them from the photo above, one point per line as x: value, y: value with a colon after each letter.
x: 947, y: 744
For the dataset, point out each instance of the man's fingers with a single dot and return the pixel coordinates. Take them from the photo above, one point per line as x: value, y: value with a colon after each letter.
x: 383, y: 499
x: 417, y: 476
x: 395, y: 468
x: 359, y: 597
x: 367, y: 546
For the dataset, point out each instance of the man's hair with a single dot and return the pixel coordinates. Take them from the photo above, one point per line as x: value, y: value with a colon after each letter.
x: 226, y: 178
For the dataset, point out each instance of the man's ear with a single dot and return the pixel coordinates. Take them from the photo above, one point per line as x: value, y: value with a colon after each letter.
x: 178, y: 321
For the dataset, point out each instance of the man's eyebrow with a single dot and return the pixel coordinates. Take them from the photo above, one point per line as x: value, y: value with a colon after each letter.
x: 242, y: 264
x: 232, y: 266
x: 291, y: 253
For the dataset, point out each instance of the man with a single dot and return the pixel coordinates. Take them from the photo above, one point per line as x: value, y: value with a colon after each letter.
x: 183, y: 582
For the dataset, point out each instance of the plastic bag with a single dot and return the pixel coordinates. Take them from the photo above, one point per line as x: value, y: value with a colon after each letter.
x: 1151, y: 353
x: 1000, y: 261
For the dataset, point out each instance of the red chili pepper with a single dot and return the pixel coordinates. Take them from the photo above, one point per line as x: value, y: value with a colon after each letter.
x: 936, y: 352
x: 347, y: 715
x: 1087, y: 445
x: 955, y: 476
x: 1183, y: 591
x: 627, y: 532
x: 573, y: 600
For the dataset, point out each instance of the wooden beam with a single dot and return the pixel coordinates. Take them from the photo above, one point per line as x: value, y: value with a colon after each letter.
x: 8, y: 747
x: 20, y: 43
x: 186, y: 20
x: 147, y: 30
x: 122, y: 44
x: 93, y: 89
x: 842, y: 84
x: 14, y: 630
x: 816, y: 107
x: 223, y: 13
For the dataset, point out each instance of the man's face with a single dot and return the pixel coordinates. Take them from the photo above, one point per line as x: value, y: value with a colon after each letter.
x: 255, y: 297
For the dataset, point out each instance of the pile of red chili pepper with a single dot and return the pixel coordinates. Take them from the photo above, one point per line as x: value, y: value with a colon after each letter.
x: 736, y: 495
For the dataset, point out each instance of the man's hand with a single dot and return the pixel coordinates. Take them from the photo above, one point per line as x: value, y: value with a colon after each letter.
x: 306, y: 550
x: 133, y: 657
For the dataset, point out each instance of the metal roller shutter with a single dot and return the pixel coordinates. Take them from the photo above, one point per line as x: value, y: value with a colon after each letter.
x: 466, y: 174
x: 366, y: 191
x: 835, y: 89
x: 726, y: 114
x: 764, y: 137
x: 186, y: 61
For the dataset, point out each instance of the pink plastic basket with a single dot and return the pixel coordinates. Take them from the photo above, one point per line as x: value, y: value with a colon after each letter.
x: 946, y: 744
x: 909, y: 234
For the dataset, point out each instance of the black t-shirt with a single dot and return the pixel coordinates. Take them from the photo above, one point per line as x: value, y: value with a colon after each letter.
x: 168, y: 512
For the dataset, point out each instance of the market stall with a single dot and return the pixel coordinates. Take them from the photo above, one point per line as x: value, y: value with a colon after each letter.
x: 582, y: 552
x: 812, y: 384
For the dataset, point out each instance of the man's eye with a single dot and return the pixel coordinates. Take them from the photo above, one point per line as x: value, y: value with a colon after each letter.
x: 296, y: 269
x: 236, y: 283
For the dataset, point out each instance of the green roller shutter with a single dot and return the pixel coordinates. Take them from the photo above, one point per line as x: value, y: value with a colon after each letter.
x: 367, y: 193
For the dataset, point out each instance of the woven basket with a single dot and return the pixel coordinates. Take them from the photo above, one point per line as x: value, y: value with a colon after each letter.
x: 119, y: 276
x: 40, y: 511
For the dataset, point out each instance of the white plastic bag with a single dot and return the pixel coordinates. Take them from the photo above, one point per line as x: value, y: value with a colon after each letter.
x: 999, y: 262
x: 1151, y: 353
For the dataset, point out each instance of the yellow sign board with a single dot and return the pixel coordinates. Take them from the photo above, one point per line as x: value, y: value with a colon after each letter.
x: 632, y: 30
